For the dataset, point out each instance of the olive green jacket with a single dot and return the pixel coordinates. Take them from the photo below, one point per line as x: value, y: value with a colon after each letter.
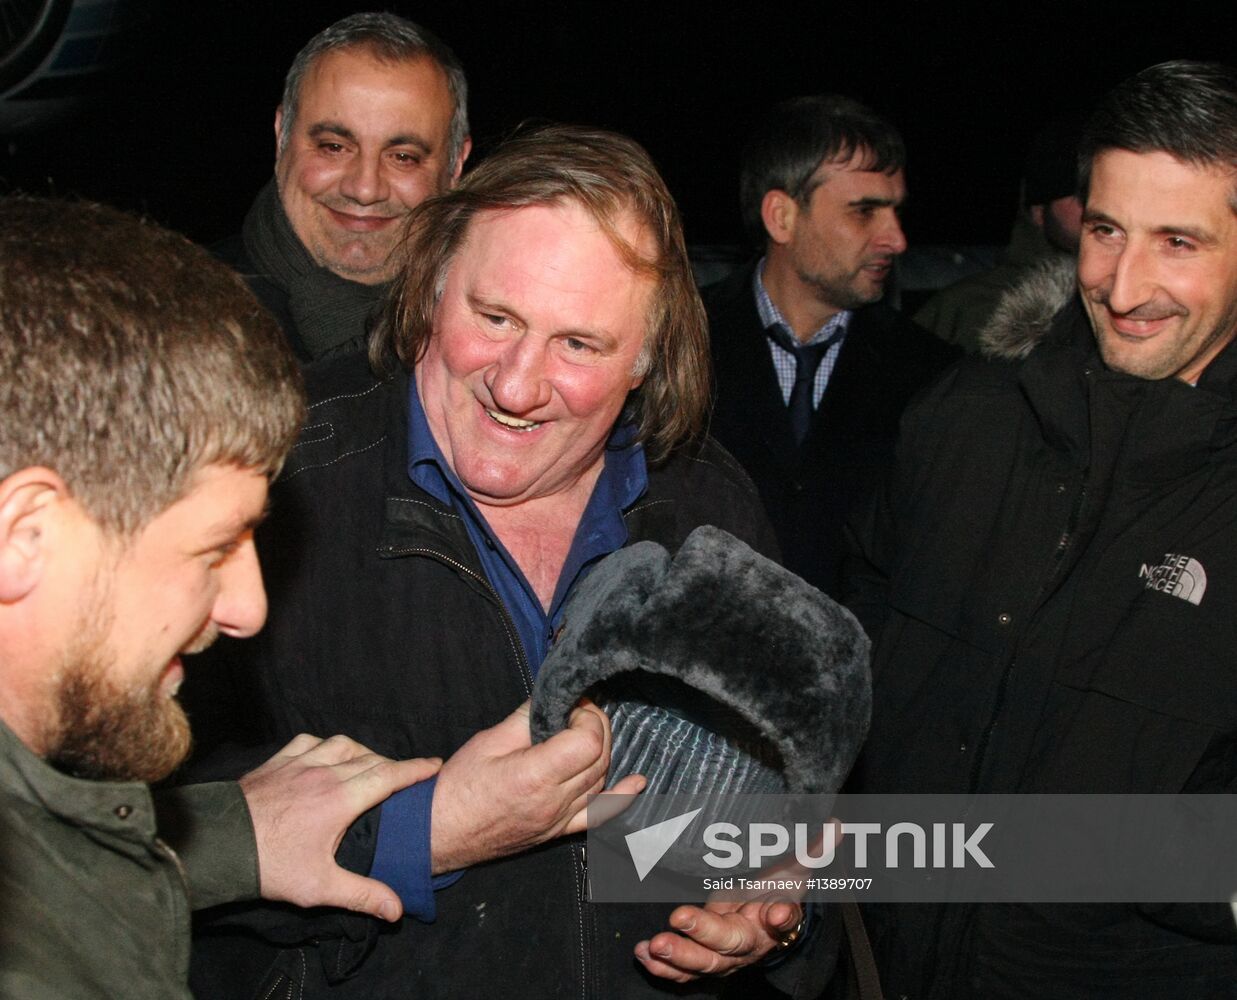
x: 94, y: 902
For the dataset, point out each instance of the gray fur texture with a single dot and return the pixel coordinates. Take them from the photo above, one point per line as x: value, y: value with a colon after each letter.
x: 1025, y: 312
x: 738, y: 631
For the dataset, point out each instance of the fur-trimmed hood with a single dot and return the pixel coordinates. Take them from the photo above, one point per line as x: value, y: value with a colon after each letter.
x: 1024, y: 314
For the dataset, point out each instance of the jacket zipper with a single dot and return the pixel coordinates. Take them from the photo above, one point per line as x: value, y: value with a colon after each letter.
x: 579, y: 860
x: 513, y: 639
x: 583, y: 892
x: 586, y: 889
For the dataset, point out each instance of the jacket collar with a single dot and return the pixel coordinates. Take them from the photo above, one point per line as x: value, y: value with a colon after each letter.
x: 413, y: 520
x: 119, y: 809
x: 1157, y: 428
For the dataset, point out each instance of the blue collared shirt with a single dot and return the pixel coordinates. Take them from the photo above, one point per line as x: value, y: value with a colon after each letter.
x: 783, y: 360
x: 402, y: 854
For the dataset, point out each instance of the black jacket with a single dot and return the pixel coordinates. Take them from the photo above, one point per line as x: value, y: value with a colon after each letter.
x: 382, y: 626
x: 809, y: 490
x: 1022, y: 644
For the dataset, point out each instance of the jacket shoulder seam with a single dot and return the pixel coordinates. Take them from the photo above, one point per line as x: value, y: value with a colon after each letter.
x: 349, y: 395
x: 338, y: 458
x: 429, y: 506
x: 644, y: 506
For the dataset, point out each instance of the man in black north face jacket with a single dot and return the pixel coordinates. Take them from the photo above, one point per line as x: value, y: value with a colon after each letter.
x: 1050, y: 578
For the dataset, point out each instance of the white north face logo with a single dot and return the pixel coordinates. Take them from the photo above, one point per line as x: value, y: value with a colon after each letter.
x: 1177, y: 575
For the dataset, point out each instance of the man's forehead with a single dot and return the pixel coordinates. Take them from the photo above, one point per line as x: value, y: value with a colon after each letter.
x: 856, y: 175
x: 223, y: 493
x: 555, y: 263
x: 338, y: 78
x: 362, y: 57
x: 566, y: 222
x: 860, y: 159
x: 1157, y: 190
x: 1156, y: 171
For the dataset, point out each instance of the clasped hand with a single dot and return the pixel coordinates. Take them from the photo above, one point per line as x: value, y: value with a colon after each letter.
x: 499, y: 794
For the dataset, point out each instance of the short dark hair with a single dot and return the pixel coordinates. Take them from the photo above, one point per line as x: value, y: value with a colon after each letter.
x: 389, y: 38
x: 130, y: 359
x: 608, y: 175
x: 1184, y: 108
x: 796, y: 136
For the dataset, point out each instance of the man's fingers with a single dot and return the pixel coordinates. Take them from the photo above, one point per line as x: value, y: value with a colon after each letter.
x: 362, y: 895
x: 517, y: 723
x: 591, y: 716
x: 334, y: 750
x: 380, y: 778
x: 780, y: 917
x: 570, y: 755
x: 633, y: 784
x: 348, y: 760
x: 579, y: 766
x: 761, y: 922
x: 578, y: 755
x: 659, y: 967
x: 724, y: 933
x: 579, y: 806
x: 359, y: 767
x: 298, y: 745
x: 315, y: 751
x: 673, y: 956
x: 416, y: 769
x: 587, y: 716
x: 716, y: 940
x: 294, y: 748
x: 609, y: 804
x: 603, y: 807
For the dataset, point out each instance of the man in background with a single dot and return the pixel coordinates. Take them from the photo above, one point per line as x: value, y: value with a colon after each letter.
x: 812, y: 368
x: 374, y: 120
x: 1045, y: 232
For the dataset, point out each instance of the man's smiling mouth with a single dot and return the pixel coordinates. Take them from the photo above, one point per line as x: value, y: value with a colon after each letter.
x: 514, y: 423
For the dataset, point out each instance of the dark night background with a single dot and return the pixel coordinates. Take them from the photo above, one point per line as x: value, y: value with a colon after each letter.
x: 181, y: 128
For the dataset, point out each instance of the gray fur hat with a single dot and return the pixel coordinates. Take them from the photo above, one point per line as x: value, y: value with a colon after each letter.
x: 720, y: 670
